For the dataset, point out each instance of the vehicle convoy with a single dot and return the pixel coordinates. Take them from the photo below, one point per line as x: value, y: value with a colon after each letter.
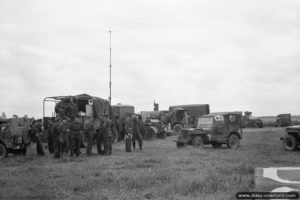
x: 120, y: 112
x: 248, y: 121
x: 215, y: 129
x: 14, y: 136
x: 283, y: 120
x: 181, y: 116
x: 82, y: 107
x: 291, y: 140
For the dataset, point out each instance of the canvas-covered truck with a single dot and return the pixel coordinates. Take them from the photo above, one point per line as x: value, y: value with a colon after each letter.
x: 120, y: 112
x: 14, y: 136
x: 291, y: 140
x: 283, y: 120
x: 215, y: 129
x: 82, y: 107
x: 181, y: 116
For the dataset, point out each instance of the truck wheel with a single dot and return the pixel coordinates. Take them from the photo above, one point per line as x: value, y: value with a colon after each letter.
x: 24, y: 151
x: 216, y: 144
x: 289, y: 143
x: 198, y: 141
x: 233, y: 141
x: 177, y: 128
x: 179, y: 144
x: 3, y: 151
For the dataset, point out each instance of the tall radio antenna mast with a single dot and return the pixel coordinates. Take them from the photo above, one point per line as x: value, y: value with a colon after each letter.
x: 109, y: 67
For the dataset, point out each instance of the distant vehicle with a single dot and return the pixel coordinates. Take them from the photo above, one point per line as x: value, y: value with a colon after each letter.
x: 121, y: 112
x: 181, y: 116
x: 283, y: 120
x: 14, y: 136
x: 215, y: 129
x: 248, y: 121
x: 291, y: 140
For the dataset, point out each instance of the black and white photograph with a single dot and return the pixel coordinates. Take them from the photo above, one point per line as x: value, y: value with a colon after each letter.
x: 140, y: 99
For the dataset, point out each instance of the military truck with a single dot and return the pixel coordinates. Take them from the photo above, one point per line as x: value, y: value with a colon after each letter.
x: 181, y: 116
x: 120, y: 112
x: 215, y: 129
x: 283, y: 120
x: 14, y: 136
x: 86, y: 108
x: 248, y: 121
x: 291, y: 140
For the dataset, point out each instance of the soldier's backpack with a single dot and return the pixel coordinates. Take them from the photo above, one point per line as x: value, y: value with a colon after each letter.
x: 128, y: 140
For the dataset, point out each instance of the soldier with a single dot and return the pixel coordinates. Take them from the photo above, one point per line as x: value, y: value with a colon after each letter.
x: 64, y: 136
x: 107, y: 135
x: 136, y: 135
x: 118, y: 127
x: 141, y: 127
x: 50, y: 136
x: 55, y: 135
x: 89, y: 133
x: 76, y: 131
x: 35, y: 134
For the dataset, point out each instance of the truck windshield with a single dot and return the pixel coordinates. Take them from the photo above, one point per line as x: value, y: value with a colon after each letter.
x: 205, y: 123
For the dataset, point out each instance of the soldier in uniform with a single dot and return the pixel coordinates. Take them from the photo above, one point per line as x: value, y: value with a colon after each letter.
x: 64, y: 136
x: 55, y: 135
x: 50, y: 136
x: 35, y: 134
x: 136, y: 135
x: 89, y: 133
x: 142, y: 127
x: 107, y: 135
x: 76, y: 131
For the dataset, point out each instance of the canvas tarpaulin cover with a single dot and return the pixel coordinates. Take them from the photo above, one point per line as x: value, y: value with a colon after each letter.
x: 100, y: 106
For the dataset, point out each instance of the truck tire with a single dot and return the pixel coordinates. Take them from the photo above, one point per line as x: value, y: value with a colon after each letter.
x: 179, y: 144
x: 216, y: 144
x: 233, y: 141
x: 197, y: 142
x: 289, y: 143
x: 3, y: 151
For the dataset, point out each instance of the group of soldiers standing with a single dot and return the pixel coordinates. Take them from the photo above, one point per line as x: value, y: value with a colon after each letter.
x: 66, y: 136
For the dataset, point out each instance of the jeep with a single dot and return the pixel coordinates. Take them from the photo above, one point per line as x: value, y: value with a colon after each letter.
x: 215, y: 129
x: 292, y: 138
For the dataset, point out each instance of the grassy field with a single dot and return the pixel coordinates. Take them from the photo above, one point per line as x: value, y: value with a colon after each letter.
x: 159, y: 171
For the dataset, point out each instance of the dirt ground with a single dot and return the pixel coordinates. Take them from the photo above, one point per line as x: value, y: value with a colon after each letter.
x: 159, y: 171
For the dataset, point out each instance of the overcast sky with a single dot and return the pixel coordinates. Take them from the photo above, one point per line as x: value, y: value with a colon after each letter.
x: 233, y: 54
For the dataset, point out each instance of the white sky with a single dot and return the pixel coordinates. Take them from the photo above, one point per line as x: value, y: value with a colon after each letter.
x: 233, y: 54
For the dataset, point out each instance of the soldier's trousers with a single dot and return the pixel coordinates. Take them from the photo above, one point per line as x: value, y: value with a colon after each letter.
x: 89, y: 137
x: 50, y: 144
x: 107, y: 143
x: 75, y: 144
x: 39, y: 145
x: 100, y: 141
x: 137, y: 136
x: 56, y: 147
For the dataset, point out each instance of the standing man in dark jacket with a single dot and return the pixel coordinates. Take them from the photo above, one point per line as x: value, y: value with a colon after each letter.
x: 50, y: 136
x: 76, y: 135
x: 35, y: 134
x: 136, y: 134
x: 107, y: 135
x: 89, y: 134
x: 64, y: 136
x: 55, y: 136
